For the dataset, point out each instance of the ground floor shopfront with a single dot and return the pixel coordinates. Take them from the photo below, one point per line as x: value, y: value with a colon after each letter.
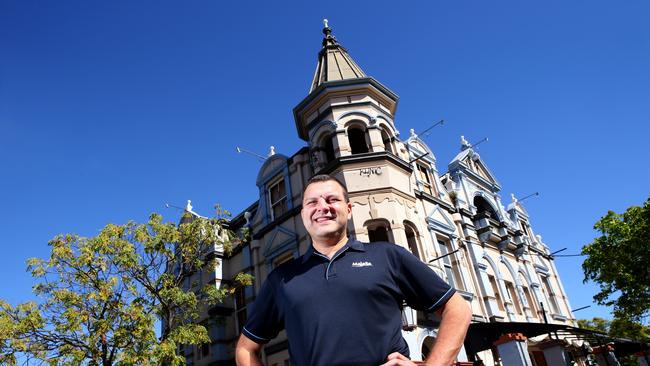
x: 539, y: 344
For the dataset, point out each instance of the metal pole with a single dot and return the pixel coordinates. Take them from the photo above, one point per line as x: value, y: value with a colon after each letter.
x: 541, y: 304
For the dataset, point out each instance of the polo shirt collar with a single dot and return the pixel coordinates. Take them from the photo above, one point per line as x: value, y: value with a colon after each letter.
x: 351, y: 244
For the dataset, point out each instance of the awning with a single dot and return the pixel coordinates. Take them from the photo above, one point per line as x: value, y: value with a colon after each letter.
x: 481, y: 336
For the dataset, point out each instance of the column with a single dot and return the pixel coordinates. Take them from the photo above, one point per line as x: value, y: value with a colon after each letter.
x: 554, y: 353
x: 374, y: 134
x: 513, y: 350
x: 341, y: 144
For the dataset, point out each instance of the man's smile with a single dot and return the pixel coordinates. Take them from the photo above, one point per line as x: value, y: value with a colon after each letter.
x: 324, y: 219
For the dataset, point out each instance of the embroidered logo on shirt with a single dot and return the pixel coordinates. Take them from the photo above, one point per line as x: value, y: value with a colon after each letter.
x: 361, y: 264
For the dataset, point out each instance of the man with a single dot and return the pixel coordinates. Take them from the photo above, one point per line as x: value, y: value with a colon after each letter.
x: 340, y: 303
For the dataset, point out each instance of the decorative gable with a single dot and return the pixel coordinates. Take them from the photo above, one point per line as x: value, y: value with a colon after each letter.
x: 438, y: 220
x: 280, y: 241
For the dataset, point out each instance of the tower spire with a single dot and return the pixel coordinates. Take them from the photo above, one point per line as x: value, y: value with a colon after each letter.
x: 334, y: 62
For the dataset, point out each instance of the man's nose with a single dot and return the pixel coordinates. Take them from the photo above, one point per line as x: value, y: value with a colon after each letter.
x: 322, y: 204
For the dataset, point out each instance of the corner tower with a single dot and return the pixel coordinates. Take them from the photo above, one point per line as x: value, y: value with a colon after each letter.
x: 346, y: 112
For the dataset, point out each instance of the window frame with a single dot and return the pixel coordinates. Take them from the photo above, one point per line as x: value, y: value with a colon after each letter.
x: 281, y: 201
x: 426, y: 178
x: 450, y: 265
x: 514, y: 297
x: 239, y: 300
x: 414, y: 245
x: 552, y: 299
x: 497, y: 294
x: 355, y: 138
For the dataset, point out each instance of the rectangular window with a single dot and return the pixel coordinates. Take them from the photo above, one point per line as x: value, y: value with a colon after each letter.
x: 425, y: 178
x: 531, y: 304
x: 278, y: 199
x: 205, y: 350
x: 495, y: 289
x: 240, y: 307
x: 524, y: 228
x: 450, y: 264
x: 551, y: 295
x: 514, y: 299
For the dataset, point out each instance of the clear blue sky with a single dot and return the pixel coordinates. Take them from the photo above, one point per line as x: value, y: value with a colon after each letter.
x: 110, y: 109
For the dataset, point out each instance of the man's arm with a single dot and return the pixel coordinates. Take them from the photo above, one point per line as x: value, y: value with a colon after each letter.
x: 456, y: 316
x: 247, y: 352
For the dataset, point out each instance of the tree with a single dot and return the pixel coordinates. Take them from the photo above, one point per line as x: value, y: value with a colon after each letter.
x: 618, y: 327
x: 597, y: 324
x: 100, y: 297
x: 618, y: 261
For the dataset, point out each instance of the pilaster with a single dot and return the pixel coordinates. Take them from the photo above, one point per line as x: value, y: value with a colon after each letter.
x: 513, y: 350
x: 554, y: 353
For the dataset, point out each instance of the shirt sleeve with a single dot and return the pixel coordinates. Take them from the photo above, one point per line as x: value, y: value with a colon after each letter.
x: 264, y: 320
x: 422, y: 288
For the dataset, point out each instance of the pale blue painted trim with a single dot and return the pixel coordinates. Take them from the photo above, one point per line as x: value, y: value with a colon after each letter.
x: 355, y: 113
x: 263, y: 177
x: 440, y: 299
x: 317, y: 128
x: 273, y: 251
x: 256, y: 336
x: 445, y: 227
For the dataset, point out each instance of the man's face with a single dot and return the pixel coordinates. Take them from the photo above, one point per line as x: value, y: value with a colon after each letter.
x: 325, y: 213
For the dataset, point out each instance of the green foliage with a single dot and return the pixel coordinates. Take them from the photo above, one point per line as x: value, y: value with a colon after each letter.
x: 618, y: 262
x: 597, y: 324
x: 100, y: 297
x: 619, y: 328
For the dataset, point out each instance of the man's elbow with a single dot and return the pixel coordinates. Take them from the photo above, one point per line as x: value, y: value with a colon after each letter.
x: 247, y: 351
x: 459, y: 310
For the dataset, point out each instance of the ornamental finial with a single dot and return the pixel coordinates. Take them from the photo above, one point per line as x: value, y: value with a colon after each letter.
x: 464, y: 144
x: 325, y: 23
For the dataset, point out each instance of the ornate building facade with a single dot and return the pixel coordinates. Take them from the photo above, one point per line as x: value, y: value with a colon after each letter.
x: 455, y: 221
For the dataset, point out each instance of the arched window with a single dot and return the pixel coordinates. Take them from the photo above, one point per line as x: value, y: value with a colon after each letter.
x: 483, y: 207
x: 328, y: 147
x: 386, y: 139
x: 412, y: 238
x: 357, y: 140
x: 427, y: 346
x: 379, y: 230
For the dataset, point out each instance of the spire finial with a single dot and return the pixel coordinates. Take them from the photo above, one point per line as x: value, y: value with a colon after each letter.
x: 327, y: 31
x: 189, y: 207
x: 464, y: 144
x: 514, y: 199
x: 272, y: 151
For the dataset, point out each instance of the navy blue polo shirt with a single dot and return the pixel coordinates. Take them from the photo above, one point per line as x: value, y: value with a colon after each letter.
x: 344, y: 311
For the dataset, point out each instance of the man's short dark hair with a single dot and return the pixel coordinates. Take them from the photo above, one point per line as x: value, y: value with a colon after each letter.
x: 326, y: 178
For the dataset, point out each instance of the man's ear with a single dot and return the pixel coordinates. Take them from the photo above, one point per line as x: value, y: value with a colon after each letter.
x: 349, y: 210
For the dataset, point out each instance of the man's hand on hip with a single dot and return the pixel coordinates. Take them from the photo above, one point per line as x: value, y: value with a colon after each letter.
x: 398, y: 359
